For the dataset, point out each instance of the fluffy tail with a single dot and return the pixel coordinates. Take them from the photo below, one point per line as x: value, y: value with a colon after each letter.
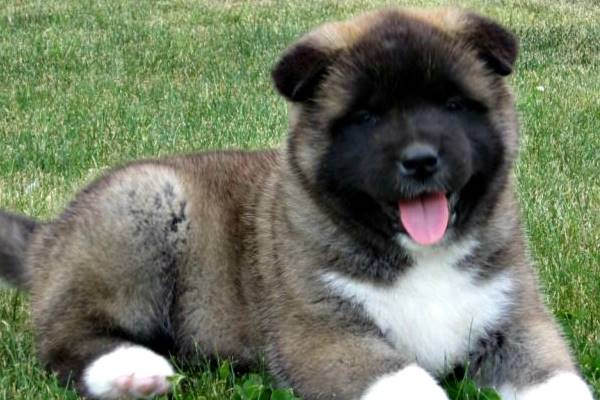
x: 15, y: 234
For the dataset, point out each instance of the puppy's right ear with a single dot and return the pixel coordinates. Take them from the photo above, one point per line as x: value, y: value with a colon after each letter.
x: 300, y: 70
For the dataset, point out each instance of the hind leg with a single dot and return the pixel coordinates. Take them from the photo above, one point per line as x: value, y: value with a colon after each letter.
x: 128, y: 371
x: 110, y: 368
x: 105, y: 284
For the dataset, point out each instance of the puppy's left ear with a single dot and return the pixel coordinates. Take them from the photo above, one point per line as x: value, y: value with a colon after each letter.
x: 496, y: 45
x: 300, y: 70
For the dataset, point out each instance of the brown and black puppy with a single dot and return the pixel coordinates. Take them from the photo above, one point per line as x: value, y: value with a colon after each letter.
x: 379, y: 248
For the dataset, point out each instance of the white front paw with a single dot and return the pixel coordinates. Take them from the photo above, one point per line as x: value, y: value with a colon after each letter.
x: 564, y: 385
x: 411, y: 382
x: 130, y: 372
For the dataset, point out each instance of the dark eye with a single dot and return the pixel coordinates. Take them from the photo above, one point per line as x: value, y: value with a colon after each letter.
x: 455, y: 103
x: 459, y: 103
x: 365, y: 118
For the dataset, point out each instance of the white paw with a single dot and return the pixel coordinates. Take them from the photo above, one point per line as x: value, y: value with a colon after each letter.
x: 564, y: 385
x: 131, y: 372
x: 411, y: 382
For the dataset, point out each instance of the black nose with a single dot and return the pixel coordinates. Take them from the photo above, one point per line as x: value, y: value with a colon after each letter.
x: 419, y: 160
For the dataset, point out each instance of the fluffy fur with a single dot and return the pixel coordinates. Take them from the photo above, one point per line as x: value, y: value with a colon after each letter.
x: 428, y: 295
x: 299, y: 253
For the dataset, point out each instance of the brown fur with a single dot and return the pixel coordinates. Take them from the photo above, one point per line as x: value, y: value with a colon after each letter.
x: 225, y: 251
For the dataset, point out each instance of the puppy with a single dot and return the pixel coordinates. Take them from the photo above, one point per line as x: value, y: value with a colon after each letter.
x: 376, y: 250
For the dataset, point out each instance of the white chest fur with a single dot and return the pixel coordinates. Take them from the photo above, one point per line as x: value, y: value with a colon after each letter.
x: 434, y: 312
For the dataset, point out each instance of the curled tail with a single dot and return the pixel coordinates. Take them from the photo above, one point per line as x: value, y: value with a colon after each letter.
x: 15, y: 234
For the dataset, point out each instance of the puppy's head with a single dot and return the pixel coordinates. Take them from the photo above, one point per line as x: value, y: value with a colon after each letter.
x: 401, y: 121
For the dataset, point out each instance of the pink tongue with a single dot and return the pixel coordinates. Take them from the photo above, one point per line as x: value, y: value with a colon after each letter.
x: 425, y: 218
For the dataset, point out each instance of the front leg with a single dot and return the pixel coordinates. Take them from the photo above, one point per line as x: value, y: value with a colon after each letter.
x: 533, y: 361
x: 324, y: 361
x: 561, y: 385
x: 410, y: 382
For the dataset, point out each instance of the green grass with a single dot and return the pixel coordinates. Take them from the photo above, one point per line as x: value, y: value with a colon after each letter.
x: 86, y: 85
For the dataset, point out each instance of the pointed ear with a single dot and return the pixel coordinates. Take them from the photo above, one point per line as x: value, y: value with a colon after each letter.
x: 497, y: 46
x: 300, y: 70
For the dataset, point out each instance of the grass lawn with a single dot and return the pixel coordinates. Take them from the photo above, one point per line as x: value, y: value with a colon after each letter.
x: 86, y: 85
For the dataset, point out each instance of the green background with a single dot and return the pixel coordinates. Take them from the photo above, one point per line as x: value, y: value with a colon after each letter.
x: 86, y: 85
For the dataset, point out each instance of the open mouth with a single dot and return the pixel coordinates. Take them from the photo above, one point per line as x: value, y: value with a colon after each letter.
x: 426, y: 218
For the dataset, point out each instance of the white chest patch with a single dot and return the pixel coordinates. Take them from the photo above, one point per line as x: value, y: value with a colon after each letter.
x: 434, y: 311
